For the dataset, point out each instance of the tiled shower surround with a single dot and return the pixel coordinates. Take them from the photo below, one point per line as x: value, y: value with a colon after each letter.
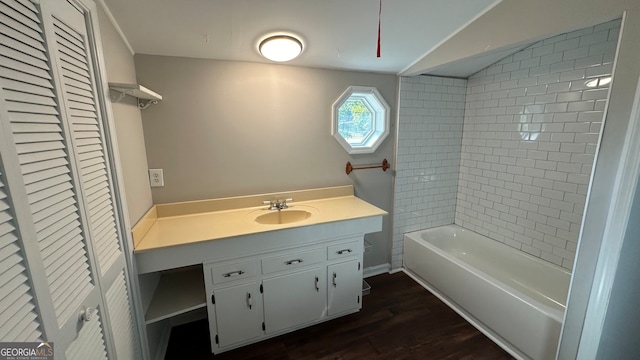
x: 428, y: 155
x: 531, y: 126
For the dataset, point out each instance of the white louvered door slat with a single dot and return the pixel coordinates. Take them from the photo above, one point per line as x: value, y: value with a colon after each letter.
x: 21, y: 99
x: 118, y: 298
x: 24, y: 88
x: 13, y: 24
x: 85, y: 129
x: 29, y: 5
x: 6, y: 61
x: 18, y: 6
x: 20, y: 36
x: 20, y: 76
x: 18, y: 315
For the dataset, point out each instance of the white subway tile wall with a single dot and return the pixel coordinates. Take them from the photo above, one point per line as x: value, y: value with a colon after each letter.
x: 519, y: 168
x: 531, y: 127
x: 428, y: 155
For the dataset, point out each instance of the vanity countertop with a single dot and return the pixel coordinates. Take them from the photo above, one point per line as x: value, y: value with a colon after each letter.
x: 184, y: 223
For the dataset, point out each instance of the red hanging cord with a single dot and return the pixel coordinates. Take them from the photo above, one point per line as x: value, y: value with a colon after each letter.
x: 379, y: 13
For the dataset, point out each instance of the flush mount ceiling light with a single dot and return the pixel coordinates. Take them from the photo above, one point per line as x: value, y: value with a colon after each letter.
x: 280, y: 48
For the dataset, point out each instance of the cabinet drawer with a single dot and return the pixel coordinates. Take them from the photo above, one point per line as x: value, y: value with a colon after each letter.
x: 344, y: 249
x: 292, y: 261
x: 231, y: 272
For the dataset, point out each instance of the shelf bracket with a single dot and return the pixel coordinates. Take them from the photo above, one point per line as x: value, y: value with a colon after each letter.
x: 146, y: 97
x: 143, y: 105
x: 119, y: 96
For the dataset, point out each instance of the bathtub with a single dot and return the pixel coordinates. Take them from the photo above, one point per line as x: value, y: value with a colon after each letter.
x: 517, y: 300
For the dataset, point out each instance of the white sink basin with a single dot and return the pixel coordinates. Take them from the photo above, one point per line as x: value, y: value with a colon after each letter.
x: 286, y: 216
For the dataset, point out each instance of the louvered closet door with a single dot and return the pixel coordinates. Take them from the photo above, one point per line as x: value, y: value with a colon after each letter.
x: 49, y: 97
x: 44, y: 165
x: 67, y: 28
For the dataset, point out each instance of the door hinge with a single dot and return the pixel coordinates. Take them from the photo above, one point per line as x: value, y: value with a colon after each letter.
x: 261, y: 289
x: 358, y: 265
x: 213, y: 299
x: 217, y: 341
x: 264, y: 328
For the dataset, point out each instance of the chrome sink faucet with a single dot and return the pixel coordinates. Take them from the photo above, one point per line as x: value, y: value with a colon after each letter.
x: 278, y: 204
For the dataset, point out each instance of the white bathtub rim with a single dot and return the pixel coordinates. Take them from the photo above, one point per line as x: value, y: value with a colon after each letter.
x: 555, y: 314
x: 497, y: 339
x: 527, y: 255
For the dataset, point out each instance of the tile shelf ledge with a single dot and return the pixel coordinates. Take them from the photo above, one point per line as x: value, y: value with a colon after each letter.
x: 146, y: 97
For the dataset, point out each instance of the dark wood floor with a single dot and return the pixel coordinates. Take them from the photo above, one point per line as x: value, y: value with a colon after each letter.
x: 399, y: 320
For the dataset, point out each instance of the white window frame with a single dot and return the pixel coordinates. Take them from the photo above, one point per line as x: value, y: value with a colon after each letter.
x: 380, y: 127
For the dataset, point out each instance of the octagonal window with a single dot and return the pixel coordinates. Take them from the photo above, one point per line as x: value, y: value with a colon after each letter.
x: 360, y: 119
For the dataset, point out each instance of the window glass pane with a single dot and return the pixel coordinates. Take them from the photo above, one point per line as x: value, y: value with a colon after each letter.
x: 360, y: 119
x: 355, y: 121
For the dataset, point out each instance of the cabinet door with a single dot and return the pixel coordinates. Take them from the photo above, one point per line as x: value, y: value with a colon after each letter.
x: 238, y: 314
x: 345, y: 287
x: 294, y: 299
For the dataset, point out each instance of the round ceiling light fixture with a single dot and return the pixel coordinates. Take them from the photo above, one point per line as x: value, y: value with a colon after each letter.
x: 280, y: 48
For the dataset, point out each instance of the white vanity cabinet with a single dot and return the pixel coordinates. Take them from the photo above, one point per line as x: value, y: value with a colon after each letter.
x: 274, y: 292
x: 234, y: 298
x: 256, y: 280
x: 294, y: 299
x: 240, y: 313
x: 345, y: 287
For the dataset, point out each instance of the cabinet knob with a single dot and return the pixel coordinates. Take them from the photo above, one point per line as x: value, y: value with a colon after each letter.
x: 334, y: 279
x: 317, y: 287
x: 249, y: 301
x: 344, y: 251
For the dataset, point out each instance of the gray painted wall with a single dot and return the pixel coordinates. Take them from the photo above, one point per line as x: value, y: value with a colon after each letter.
x: 233, y: 128
x: 121, y: 69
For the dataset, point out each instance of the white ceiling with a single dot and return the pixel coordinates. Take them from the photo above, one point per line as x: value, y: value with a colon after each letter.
x: 338, y: 34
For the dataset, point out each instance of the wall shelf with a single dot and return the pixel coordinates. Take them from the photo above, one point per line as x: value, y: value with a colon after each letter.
x: 178, y: 292
x: 145, y: 96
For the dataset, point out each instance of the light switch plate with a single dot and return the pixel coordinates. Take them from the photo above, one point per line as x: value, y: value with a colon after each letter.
x: 156, y: 177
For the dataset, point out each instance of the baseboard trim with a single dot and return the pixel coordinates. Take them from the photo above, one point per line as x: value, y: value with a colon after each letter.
x: 376, y: 270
